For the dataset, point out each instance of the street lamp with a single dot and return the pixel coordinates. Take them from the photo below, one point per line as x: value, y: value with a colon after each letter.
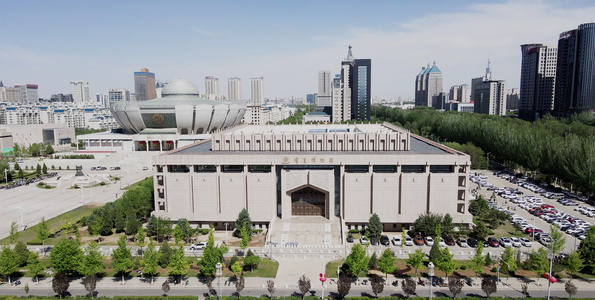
x: 219, y: 274
x: 431, y: 273
x: 22, y: 223
x: 82, y: 196
x: 549, y: 282
x: 488, y: 155
x: 6, y: 175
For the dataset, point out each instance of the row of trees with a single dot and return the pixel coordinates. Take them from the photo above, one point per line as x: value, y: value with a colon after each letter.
x: 560, y: 150
x: 33, y: 150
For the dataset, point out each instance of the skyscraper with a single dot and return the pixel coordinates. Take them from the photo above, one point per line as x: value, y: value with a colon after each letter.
x: 355, y: 88
x: 461, y: 93
x: 428, y: 85
x: 234, y: 88
x: 488, y: 95
x: 575, y: 72
x: 212, y: 88
x: 29, y: 92
x: 144, y: 85
x: 538, y: 76
x: 324, y: 89
x: 118, y: 95
x: 337, y: 111
x: 257, y: 90
x: 80, y: 91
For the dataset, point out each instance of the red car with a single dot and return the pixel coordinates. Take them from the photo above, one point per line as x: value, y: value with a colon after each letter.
x: 493, y: 242
x: 449, y: 241
x: 547, y: 206
x: 418, y: 240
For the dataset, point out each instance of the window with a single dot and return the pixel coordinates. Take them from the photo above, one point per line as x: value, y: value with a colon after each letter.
x: 357, y: 168
x: 205, y: 168
x: 413, y: 169
x: 384, y: 169
x: 178, y: 169
x: 441, y: 169
x: 259, y: 168
x: 232, y: 168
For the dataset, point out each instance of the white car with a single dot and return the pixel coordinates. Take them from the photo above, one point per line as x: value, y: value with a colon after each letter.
x: 441, y: 243
x: 515, y: 242
x: 397, y: 241
x: 198, y: 246
x: 526, y: 242
x: 408, y: 241
x: 145, y: 168
x: 505, y: 242
x: 364, y: 241
x: 429, y: 241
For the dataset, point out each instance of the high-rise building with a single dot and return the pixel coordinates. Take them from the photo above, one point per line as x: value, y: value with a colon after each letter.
x: 144, y: 85
x: 538, y: 76
x: 428, y: 85
x: 324, y: 89
x: 513, y: 99
x: 212, y: 88
x: 461, y: 93
x: 29, y: 92
x: 355, y: 88
x: 118, y: 95
x: 257, y: 90
x: 80, y: 91
x: 575, y: 72
x: 11, y: 94
x: 234, y: 88
x: 488, y: 95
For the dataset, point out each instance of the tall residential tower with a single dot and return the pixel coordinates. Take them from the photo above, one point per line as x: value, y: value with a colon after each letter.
x: 144, y: 85
x: 80, y: 91
x: 234, y: 88
x: 257, y: 90
x: 212, y: 88
x: 488, y: 95
x: 538, y: 76
x: 356, y: 77
x: 428, y: 86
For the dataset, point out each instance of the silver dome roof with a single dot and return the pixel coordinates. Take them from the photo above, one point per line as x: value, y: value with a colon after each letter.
x: 179, y: 87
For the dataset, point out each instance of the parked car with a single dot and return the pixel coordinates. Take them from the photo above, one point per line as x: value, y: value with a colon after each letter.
x: 472, y: 242
x: 145, y: 168
x: 526, y: 242
x: 419, y: 241
x: 350, y: 237
x: 545, y: 240
x: 493, y: 242
x: 505, y: 242
x: 198, y: 246
x: 408, y: 241
x: 449, y: 240
x: 462, y: 243
x: 364, y: 241
x: 384, y: 240
x: 397, y: 241
x: 429, y: 241
x: 515, y: 242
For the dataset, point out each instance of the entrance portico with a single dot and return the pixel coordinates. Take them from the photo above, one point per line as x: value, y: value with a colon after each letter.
x: 307, y: 192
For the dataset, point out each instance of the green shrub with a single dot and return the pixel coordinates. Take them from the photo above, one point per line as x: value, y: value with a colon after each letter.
x: 34, y: 241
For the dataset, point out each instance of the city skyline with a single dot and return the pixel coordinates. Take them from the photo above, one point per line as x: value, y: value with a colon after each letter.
x: 286, y: 49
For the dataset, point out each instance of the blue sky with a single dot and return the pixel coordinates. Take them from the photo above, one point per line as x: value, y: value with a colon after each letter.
x: 103, y: 42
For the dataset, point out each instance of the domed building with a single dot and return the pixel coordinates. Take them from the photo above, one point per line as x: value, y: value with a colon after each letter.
x: 180, y: 110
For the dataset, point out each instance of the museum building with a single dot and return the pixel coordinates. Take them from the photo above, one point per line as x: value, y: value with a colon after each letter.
x: 345, y: 171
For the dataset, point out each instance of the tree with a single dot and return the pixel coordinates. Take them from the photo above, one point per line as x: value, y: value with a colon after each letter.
x: 22, y: 253
x: 8, y: 262
x: 480, y: 231
x: 488, y: 286
x: 140, y: 239
x: 251, y: 261
x: 387, y: 262
x: 304, y: 285
x: 132, y: 222
x: 92, y: 263
x: 34, y: 265
x: 236, y: 268
x: 357, y: 261
x: 510, y: 261
x: 489, y: 261
x: 446, y: 263
x: 426, y: 224
x: 373, y: 262
x: 558, y: 239
x: 408, y: 286
x: 455, y: 285
x: 271, y: 287
x: 243, y: 217
x: 119, y: 220
x: 179, y: 264
x: 435, y: 253
x: 60, y: 284
x: 574, y: 263
x: 538, y: 262
x: 20, y: 173
x: 210, y: 258
x: 478, y: 260
x: 416, y: 260
x: 245, y: 237
x: 165, y: 253
x: 182, y: 231
x: 42, y: 232
x: 447, y: 225
x: 66, y: 257
x: 90, y: 283
x: 165, y: 287
x: 151, y: 260
x: 570, y: 288
x: 377, y: 285
x: 586, y: 250
x: 38, y: 170
x: 44, y: 169
x: 122, y: 258
x: 343, y: 286
x: 14, y: 233
x: 375, y: 227
x: 26, y: 288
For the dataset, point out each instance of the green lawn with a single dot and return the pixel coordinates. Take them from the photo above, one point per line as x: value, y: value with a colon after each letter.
x: 54, y: 224
x: 331, y: 268
x: 508, y: 230
x: 266, y: 269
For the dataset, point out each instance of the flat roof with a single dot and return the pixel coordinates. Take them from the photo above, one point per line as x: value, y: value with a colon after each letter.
x: 308, y: 128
